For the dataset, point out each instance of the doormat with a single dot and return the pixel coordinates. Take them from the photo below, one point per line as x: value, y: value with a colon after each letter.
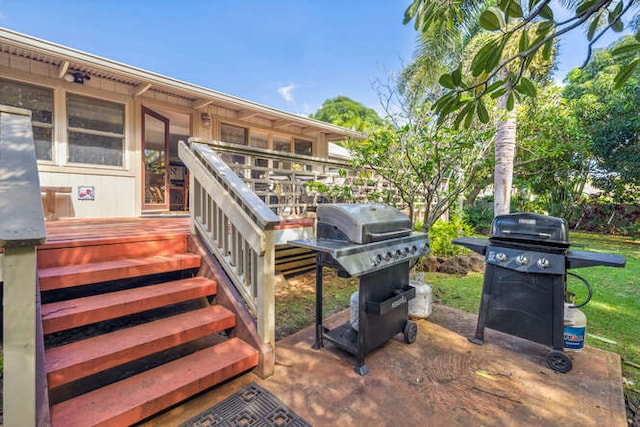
x: 251, y: 406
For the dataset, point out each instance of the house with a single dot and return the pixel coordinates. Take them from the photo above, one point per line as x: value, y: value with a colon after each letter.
x: 107, y: 133
x: 107, y: 147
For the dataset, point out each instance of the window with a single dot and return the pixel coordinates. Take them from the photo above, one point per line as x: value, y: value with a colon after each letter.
x: 40, y: 101
x: 303, y: 147
x: 233, y: 134
x: 259, y: 139
x: 282, y: 143
x: 95, y: 131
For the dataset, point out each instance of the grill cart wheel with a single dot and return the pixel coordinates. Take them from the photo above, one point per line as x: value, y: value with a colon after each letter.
x: 558, y: 361
x: 410, y: 332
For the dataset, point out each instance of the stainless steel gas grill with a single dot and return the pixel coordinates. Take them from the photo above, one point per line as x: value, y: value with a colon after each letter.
x: 525, y: 282
x: 374, y: 243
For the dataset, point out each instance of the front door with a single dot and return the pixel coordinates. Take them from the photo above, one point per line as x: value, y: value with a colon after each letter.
x: 155, y: 143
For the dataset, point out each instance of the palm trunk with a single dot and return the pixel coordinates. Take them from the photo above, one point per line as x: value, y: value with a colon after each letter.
x: 505, y: 151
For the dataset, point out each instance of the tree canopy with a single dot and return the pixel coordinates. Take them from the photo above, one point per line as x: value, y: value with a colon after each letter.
x: 531, y: 26
x: 346, y: 112
x: 609, y: 118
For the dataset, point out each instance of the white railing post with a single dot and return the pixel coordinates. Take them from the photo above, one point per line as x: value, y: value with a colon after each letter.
x: 19, y: 387
x: 21, y: 230
x: 266, y: 290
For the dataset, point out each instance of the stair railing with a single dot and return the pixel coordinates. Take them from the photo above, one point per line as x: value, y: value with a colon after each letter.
x: 21, y: 230
x: 237, y: 227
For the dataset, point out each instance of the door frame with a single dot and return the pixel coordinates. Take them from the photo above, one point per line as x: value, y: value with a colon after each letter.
x: 155, y: 206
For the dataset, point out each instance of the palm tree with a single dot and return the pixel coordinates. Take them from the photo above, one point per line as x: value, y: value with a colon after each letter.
x: 458, y: 36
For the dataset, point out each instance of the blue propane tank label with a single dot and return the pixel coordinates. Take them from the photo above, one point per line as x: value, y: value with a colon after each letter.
x: 574, y: 337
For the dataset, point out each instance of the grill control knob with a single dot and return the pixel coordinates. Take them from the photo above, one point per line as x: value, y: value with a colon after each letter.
x: 414, y: 249
x: 406, y: 251
x: 387, y: 256
x: 501, y: 256
x: 543, y: 263
x: 521, y: 259
x: 397, y: 254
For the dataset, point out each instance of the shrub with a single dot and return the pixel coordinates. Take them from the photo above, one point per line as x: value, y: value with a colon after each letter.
x: 442, y: 232
x: 479, y: 216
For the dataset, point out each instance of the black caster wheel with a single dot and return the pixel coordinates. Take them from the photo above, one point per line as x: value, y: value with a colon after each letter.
x: 559, y: 362
x: 410, y: 332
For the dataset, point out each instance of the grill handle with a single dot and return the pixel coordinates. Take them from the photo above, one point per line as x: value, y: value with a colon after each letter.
x: 527, y: 233
x: 376, y: 237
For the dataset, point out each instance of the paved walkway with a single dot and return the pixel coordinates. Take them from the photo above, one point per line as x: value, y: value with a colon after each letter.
x: 440, y: 380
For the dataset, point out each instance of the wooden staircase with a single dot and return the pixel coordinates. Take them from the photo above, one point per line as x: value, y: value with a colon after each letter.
x: 130, y: 330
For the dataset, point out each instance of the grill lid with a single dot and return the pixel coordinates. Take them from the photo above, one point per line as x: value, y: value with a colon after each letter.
x: 361, y: 223
x: 530, y: 228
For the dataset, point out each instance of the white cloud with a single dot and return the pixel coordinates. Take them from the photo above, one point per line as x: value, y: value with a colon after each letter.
x: 286, y: 92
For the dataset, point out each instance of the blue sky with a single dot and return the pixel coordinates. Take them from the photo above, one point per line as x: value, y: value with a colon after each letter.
x: 287, y: 54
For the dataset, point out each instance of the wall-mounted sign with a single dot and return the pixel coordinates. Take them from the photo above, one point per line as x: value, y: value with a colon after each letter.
x: 86, y: 192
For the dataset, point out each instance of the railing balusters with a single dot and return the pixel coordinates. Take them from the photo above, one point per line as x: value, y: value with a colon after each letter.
x: 237, y: 227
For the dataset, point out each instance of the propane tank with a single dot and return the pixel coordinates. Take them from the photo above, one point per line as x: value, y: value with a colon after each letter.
x: 575, y: 325
x: 420, y: 305
x: 354, y: 304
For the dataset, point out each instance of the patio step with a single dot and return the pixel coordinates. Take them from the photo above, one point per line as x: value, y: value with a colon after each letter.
x: 128, y: 330
x: 64, y: 315
x: 138, y: 397
x: 71, y: 362
x: 84, y: 274
x: 91, y: 249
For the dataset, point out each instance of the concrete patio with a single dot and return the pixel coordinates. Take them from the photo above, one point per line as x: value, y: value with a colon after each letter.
x: 440, y: 380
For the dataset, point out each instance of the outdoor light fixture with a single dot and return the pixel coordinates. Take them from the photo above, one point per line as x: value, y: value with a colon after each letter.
x: 76, y: 77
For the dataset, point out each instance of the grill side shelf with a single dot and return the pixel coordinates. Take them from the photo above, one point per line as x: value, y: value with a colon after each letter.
x: 579, y: 259
x: 475, y: 244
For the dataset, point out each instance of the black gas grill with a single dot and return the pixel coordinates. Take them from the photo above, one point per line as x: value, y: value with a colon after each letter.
x: 527, y: 257
x: 375, y: 243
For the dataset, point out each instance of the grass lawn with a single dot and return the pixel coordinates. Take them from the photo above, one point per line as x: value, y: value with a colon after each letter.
x: 613, y: 314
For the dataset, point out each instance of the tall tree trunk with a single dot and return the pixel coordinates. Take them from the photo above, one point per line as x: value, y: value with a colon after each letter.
x: 505, y: 151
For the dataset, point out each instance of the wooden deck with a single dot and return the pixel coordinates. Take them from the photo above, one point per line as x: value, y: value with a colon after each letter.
x: 81, y: 230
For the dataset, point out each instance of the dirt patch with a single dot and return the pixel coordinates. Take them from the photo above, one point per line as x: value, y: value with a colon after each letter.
x: 459, y: 265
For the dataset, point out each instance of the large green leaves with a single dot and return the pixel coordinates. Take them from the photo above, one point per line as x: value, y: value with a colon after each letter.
x: 625, y: 73
x: 492, y: 19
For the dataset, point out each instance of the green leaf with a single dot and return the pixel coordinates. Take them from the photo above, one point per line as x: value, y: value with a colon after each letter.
x: 479, y: 63
x: 547, y: 50
x: 457, y: 75
x: 618, y: 9
x: 492, y: 19
x: 585, y: 6
x: 461, y: 115
x: 526, y: 87
x: 514, y: 10
x: 495, y: 85
x: 621, y: 50
x: 498, y: 93
x: 593, y: 27
x: 411, y: 11
x: 533, y: 3
x: 543, y: 28
x: 617, y: 26
x: 447, y: 81
x: 469, y: 119
x: 546, y: 12
x: 494, y: 57
x: 483, y: 114
x: 510, y: 102
x: 523, y: 45
x: 624, y: 74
